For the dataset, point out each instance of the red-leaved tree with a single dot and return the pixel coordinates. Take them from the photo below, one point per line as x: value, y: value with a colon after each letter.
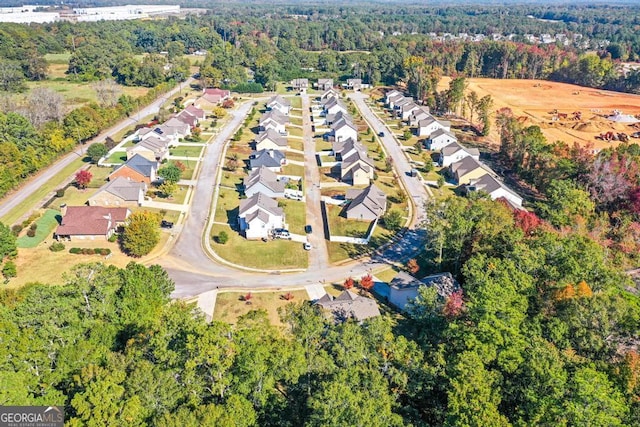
x: 83, y: 178
x: 454, y: 304
x: 288, y: 296
x: 366, y: 282
x: 348, y: 284
x: 527, y: 221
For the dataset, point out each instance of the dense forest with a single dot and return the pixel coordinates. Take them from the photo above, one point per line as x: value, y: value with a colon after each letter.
x: 543, y: 333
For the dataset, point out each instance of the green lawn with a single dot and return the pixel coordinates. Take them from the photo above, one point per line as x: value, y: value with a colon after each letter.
x: 47, y: 223
x: 296, y: 144
x: 271, y: 255
x: 295, y: 215
x: 117, y: 157
x: 296, y: 102
x: 295, y: 156
x: 73, y: 197
x: 231, y: 305
x: 294, y: 170
x: 227, y: 206
x: 340, y: 226
x: 100, y: 175
x: 178, y: 198
x: 186, y: 151
x: 295, y: 131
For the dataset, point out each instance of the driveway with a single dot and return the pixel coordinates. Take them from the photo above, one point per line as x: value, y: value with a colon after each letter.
x: 318, y: 256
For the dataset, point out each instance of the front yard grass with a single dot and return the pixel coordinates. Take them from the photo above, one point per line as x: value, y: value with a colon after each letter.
x: 46, y: 224
x: 185, y: 151
x: 230, y: 305
x: 296, y: 144
x: 293, y: 131
x: 227, y: 207
x: 340, y: 226
x: 299, y: 157
x: 177, y: 198
x: 295, y: 214
x: 117, y: 157
x: 271, y: 255
x: 293, y: 170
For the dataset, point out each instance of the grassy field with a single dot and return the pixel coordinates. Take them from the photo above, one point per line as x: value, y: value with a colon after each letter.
x: 295, y: 215
x: 271, y: 255
x: 186, y: 151
x: 117, y: 157
x: 231, y: 305
x: 46, y: 225
x: 340, y: 226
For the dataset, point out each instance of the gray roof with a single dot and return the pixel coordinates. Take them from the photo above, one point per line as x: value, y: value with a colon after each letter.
x: 444, y: 282
x: 154, y: 143
x: 274, y: 115
x: 372, y: 198
x: 440, y: 132
x: 279, y: 100
x: 273, y: 136
x: 141, y: 165
x: 454, y: 147
x: 358, y: 156
x: 489, y: 183
x: 466, y: 165
x: 268, y: 158
x: 263, y: 202
x: 124, y: 189
x: 349, y: 306
x: 342, y: 123
x: 266, y: 177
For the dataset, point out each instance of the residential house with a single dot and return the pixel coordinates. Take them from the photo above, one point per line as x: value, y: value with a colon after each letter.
x: 279, y: 103
x: 330, y: 93
x: 264, y: 180
x: 405, y: 110
x: 354, y: 84
x: 391, y: 94
x: 222, y: 94
x: 271, y: 159
x: 333, y: 106
x: 176, y: 127
x: 429, y: 125
x: 186, y: 117
x: 138, y: 169
x: 495, y: 189
x: 439, y: 139
x: 270, y: 140
x: 402, y: 102
x: 154, y: 148
x: 365, y: 204
x: 195, y: 111
x: 349, y: 305
x: 275, y: 120
x: 208, y: 102
x: 344, y: 129
x: 342, y: 149
x: 466, y: 170
x: 455, y: 152
x: 301, y: 85
x: 324, y: 84
x: 357, y: 168
x: 119, y: 192
x: 259, y: 215
x: 404, y: 287
x: 90, y: 222
x: 415, y: 116
x: 393, y: 100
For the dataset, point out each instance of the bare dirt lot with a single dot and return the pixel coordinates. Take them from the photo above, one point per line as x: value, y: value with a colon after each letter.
x: 544, y: 103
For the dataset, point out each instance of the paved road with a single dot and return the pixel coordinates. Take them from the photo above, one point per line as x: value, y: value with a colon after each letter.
x: 414, y: 186
x: 14, y: 199
x: 319, y: 255
x: 194, y: 272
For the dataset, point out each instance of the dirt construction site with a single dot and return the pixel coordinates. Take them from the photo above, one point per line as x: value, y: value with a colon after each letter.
x: 565, y: 112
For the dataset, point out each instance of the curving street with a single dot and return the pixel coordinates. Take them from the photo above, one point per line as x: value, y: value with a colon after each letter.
x: 195, y: 270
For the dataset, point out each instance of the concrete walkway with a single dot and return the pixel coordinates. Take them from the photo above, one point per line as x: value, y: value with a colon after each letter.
x: 315, y: 292
x: 165, y: 206
x: 207, y: 303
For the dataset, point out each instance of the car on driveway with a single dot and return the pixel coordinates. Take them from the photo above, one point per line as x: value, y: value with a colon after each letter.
x: 166, y: 224
x: 307, y: 246
x: 308, y: 229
